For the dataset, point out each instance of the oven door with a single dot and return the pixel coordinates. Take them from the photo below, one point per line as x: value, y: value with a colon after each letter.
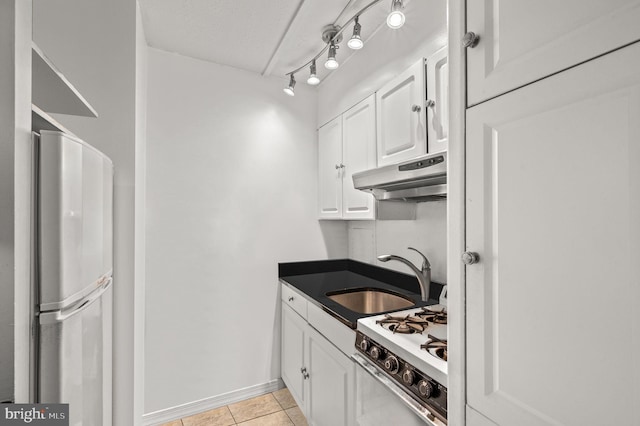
x: 381, y: 402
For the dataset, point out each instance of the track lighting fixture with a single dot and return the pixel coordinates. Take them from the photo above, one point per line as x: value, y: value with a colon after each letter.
x: 355, y: 42
x: 313, y: 78
x: 396, y: 18
x: 289, y: 89
x: 332, y: 36
x: 332, y: 63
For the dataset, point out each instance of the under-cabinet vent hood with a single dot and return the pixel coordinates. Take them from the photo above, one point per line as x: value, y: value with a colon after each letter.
x: 423, y: 178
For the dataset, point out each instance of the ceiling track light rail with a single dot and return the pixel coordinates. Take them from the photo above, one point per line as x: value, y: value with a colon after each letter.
x: 332, y: 35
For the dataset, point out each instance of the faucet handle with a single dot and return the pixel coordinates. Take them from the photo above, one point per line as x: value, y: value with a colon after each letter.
x: 425, y: 261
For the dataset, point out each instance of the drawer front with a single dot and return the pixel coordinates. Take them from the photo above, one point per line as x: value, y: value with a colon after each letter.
x: 295, y: 300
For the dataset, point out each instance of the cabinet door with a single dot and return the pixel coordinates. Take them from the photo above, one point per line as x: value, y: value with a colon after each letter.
x: 438, y: 93
x: 331, y: 383
x: 553, y: 201
x: 359, y: 153
x: 522, y: 41
x: 330, y: 169
x: 401, y: 129
x: 292, y: 354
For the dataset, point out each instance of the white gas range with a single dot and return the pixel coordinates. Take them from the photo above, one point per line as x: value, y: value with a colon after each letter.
x: 406, y: 351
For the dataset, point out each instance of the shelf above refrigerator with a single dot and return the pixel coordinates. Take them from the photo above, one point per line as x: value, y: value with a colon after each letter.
x: 40, y: 120
x: 52, y: 92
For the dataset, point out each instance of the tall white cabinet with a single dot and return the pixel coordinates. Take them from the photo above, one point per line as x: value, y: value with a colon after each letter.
x: 346, y: 145
x: 552, y: 208
x: 523, y: 41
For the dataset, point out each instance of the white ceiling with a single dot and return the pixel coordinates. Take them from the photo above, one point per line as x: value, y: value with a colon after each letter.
x: 270, y: 37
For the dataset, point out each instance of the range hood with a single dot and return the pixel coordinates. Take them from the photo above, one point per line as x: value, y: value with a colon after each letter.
x: 420, y: 179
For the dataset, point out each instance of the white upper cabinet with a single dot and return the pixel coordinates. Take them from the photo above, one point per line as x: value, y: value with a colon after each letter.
x: 522, y: 41
x: 401, y: 121
x: 438, y: 101
x: 552, y: 203
x: 346, y: 145
x: 330, y: 383
x: 330, y: 169
x: 358, y: 153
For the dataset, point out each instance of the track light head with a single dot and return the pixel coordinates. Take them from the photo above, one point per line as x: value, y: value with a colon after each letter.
x: 289, y: 89
x: 355, y: 42
x: 313, y: 78
x: 332, y: 63
x: 396, y: 17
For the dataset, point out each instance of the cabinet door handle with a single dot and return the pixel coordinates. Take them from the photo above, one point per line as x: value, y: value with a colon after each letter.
x: 469, y: 258
x: 416, y: 108
x: 303, y: 370
x: 305, y: 375
x: 430, y: 103
x: 470, y: 39
x: 290, y: 298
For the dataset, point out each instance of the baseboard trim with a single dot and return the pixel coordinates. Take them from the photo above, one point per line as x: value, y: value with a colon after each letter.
x: 191, y: 408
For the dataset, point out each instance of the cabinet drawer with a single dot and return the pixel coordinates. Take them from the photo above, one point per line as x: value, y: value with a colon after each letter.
x: 295, y: 300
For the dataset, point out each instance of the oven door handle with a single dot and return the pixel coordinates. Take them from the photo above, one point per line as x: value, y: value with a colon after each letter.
x: 410, y: 402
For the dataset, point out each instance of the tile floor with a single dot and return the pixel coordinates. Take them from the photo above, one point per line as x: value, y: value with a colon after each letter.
x: 273, y: 409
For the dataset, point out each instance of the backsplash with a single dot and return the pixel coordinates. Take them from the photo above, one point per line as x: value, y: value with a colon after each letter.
x: 427, y: 233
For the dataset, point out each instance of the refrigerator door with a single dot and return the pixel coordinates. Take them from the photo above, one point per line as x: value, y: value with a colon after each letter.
x: 75, y: 358
x: 75, y: 219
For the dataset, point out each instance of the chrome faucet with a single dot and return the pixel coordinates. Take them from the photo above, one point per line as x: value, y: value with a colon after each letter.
x: 423, y: 275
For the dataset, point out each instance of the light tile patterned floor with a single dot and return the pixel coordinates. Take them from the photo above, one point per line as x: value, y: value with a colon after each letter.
x: 273, y: 409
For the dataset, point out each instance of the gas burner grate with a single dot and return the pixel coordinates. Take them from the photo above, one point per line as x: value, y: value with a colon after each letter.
x: 405, y: 325
x: 432, y: 315
x: 436, y: 347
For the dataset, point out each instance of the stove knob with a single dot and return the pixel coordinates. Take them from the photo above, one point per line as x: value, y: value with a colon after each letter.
x: 425, y: 388
x: 365, y: 345
x: 375, y: 352
x: 408, y: 377
x: 391, y: 364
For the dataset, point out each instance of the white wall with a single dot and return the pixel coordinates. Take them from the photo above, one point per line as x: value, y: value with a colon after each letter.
x: 93, y: 42
x: 428, y: 233
x: 232, y: 166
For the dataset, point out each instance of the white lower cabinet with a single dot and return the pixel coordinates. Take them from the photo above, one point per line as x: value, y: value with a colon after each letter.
x: 320, y: 377
x: 330, y: 383
x: 294, y: 330
x: 553, y: 208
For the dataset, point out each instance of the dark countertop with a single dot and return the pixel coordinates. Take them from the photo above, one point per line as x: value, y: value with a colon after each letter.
x: 316, y: 278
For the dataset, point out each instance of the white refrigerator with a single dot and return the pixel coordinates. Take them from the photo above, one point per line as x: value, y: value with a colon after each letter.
x: 74, y: 267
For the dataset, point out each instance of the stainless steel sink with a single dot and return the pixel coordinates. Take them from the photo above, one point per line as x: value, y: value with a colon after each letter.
x: 370, y: 300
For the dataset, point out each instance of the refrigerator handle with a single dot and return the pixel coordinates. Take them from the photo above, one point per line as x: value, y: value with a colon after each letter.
x: 59, y: 316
